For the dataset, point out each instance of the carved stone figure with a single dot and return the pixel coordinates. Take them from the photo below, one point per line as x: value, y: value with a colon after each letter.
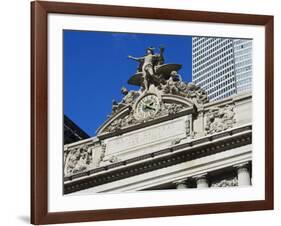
x: 228, y: 116
x: 160, y: 59
x: 129, y: 96
x: 164, y: 79
x: 175, y: 85
x: 147, y: 65
x: 219, y: 119
x: 78, y: 160
x: 114, y: 106
x: 122, y: 122
x: 81, y: 163
x: 124, y: 90
x: 71, y: 162
x: 171, y: 85
x: 174, y: 108
x: 196, y: 93
x: 116, y: 125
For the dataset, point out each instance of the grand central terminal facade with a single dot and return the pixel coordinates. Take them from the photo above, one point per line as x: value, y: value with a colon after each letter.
x: 166, y: 135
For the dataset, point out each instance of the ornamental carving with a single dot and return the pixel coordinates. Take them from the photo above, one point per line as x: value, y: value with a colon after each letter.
x: 220, y: 119
x: 129, y: 120
x: 153, y: 72
x: 111, y: 159
x: 155, y: 77
x: 78, y: 160
x: 122, y: 122
x: 187, y: 127
x: 176, y: 141
x: 226, y: 183
x: 103, y: 149
x: 175, y: 85
x: 171, y: 108
x: 129, y: 96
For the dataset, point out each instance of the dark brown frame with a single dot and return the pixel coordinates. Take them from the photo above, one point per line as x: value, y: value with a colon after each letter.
x: 39, y: 109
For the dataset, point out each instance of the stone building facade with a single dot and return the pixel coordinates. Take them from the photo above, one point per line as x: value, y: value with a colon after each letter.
x: 166, y: 135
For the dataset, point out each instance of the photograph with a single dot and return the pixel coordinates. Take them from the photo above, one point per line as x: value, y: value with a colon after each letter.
x: 149, y: 112
x: 141, y: 112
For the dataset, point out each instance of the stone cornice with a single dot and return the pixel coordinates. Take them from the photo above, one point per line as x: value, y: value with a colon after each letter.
x: 160, y: 159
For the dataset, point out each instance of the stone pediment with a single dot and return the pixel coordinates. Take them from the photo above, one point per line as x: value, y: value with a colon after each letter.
x: 130, y: 114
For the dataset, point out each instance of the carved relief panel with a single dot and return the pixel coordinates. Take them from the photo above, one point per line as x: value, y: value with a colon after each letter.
x: 219, y: 119
x: 83, y: 157
x: 78, y: 159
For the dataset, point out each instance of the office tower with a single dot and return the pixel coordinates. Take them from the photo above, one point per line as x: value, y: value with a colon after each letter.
x: 222, y: 66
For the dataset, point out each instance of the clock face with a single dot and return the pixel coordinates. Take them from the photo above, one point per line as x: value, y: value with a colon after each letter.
x: 147, y: 107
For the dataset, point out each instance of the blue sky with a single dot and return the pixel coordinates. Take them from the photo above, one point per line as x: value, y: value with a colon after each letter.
x: 96, y: 67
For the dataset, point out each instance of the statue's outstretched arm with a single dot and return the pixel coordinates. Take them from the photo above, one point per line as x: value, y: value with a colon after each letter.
x: 136, y: 58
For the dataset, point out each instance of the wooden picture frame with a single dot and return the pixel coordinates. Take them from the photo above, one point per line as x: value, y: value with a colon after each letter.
x: 39, y: 112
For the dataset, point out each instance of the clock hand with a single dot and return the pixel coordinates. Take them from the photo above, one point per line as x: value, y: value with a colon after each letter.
x: 151, y: 108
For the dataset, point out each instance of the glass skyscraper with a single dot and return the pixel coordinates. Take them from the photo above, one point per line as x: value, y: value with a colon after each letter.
x: 222, y: 66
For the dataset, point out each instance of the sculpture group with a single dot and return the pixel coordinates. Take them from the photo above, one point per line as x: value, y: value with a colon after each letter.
x: 148, y: 66
x: 153, y: 72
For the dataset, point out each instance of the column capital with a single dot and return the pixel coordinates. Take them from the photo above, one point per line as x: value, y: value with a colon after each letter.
x: 200, y: 176
x: 243, y: 173
x: 201, y: 180
x: 180, y: 181
x: 242, y: 165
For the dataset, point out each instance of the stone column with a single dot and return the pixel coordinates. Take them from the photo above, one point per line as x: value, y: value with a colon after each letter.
x: 181, y: 184
x: 243, y: 174
x: 202, y: 181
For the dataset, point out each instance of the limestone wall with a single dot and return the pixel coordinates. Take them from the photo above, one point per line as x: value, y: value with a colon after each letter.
x: 206, y: 120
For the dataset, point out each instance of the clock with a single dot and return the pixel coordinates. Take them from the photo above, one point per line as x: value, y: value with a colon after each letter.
x: 147, y: 107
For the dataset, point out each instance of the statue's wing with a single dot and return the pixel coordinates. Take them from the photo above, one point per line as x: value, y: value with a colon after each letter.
x: 135, y: 79
x: 166, y: 69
